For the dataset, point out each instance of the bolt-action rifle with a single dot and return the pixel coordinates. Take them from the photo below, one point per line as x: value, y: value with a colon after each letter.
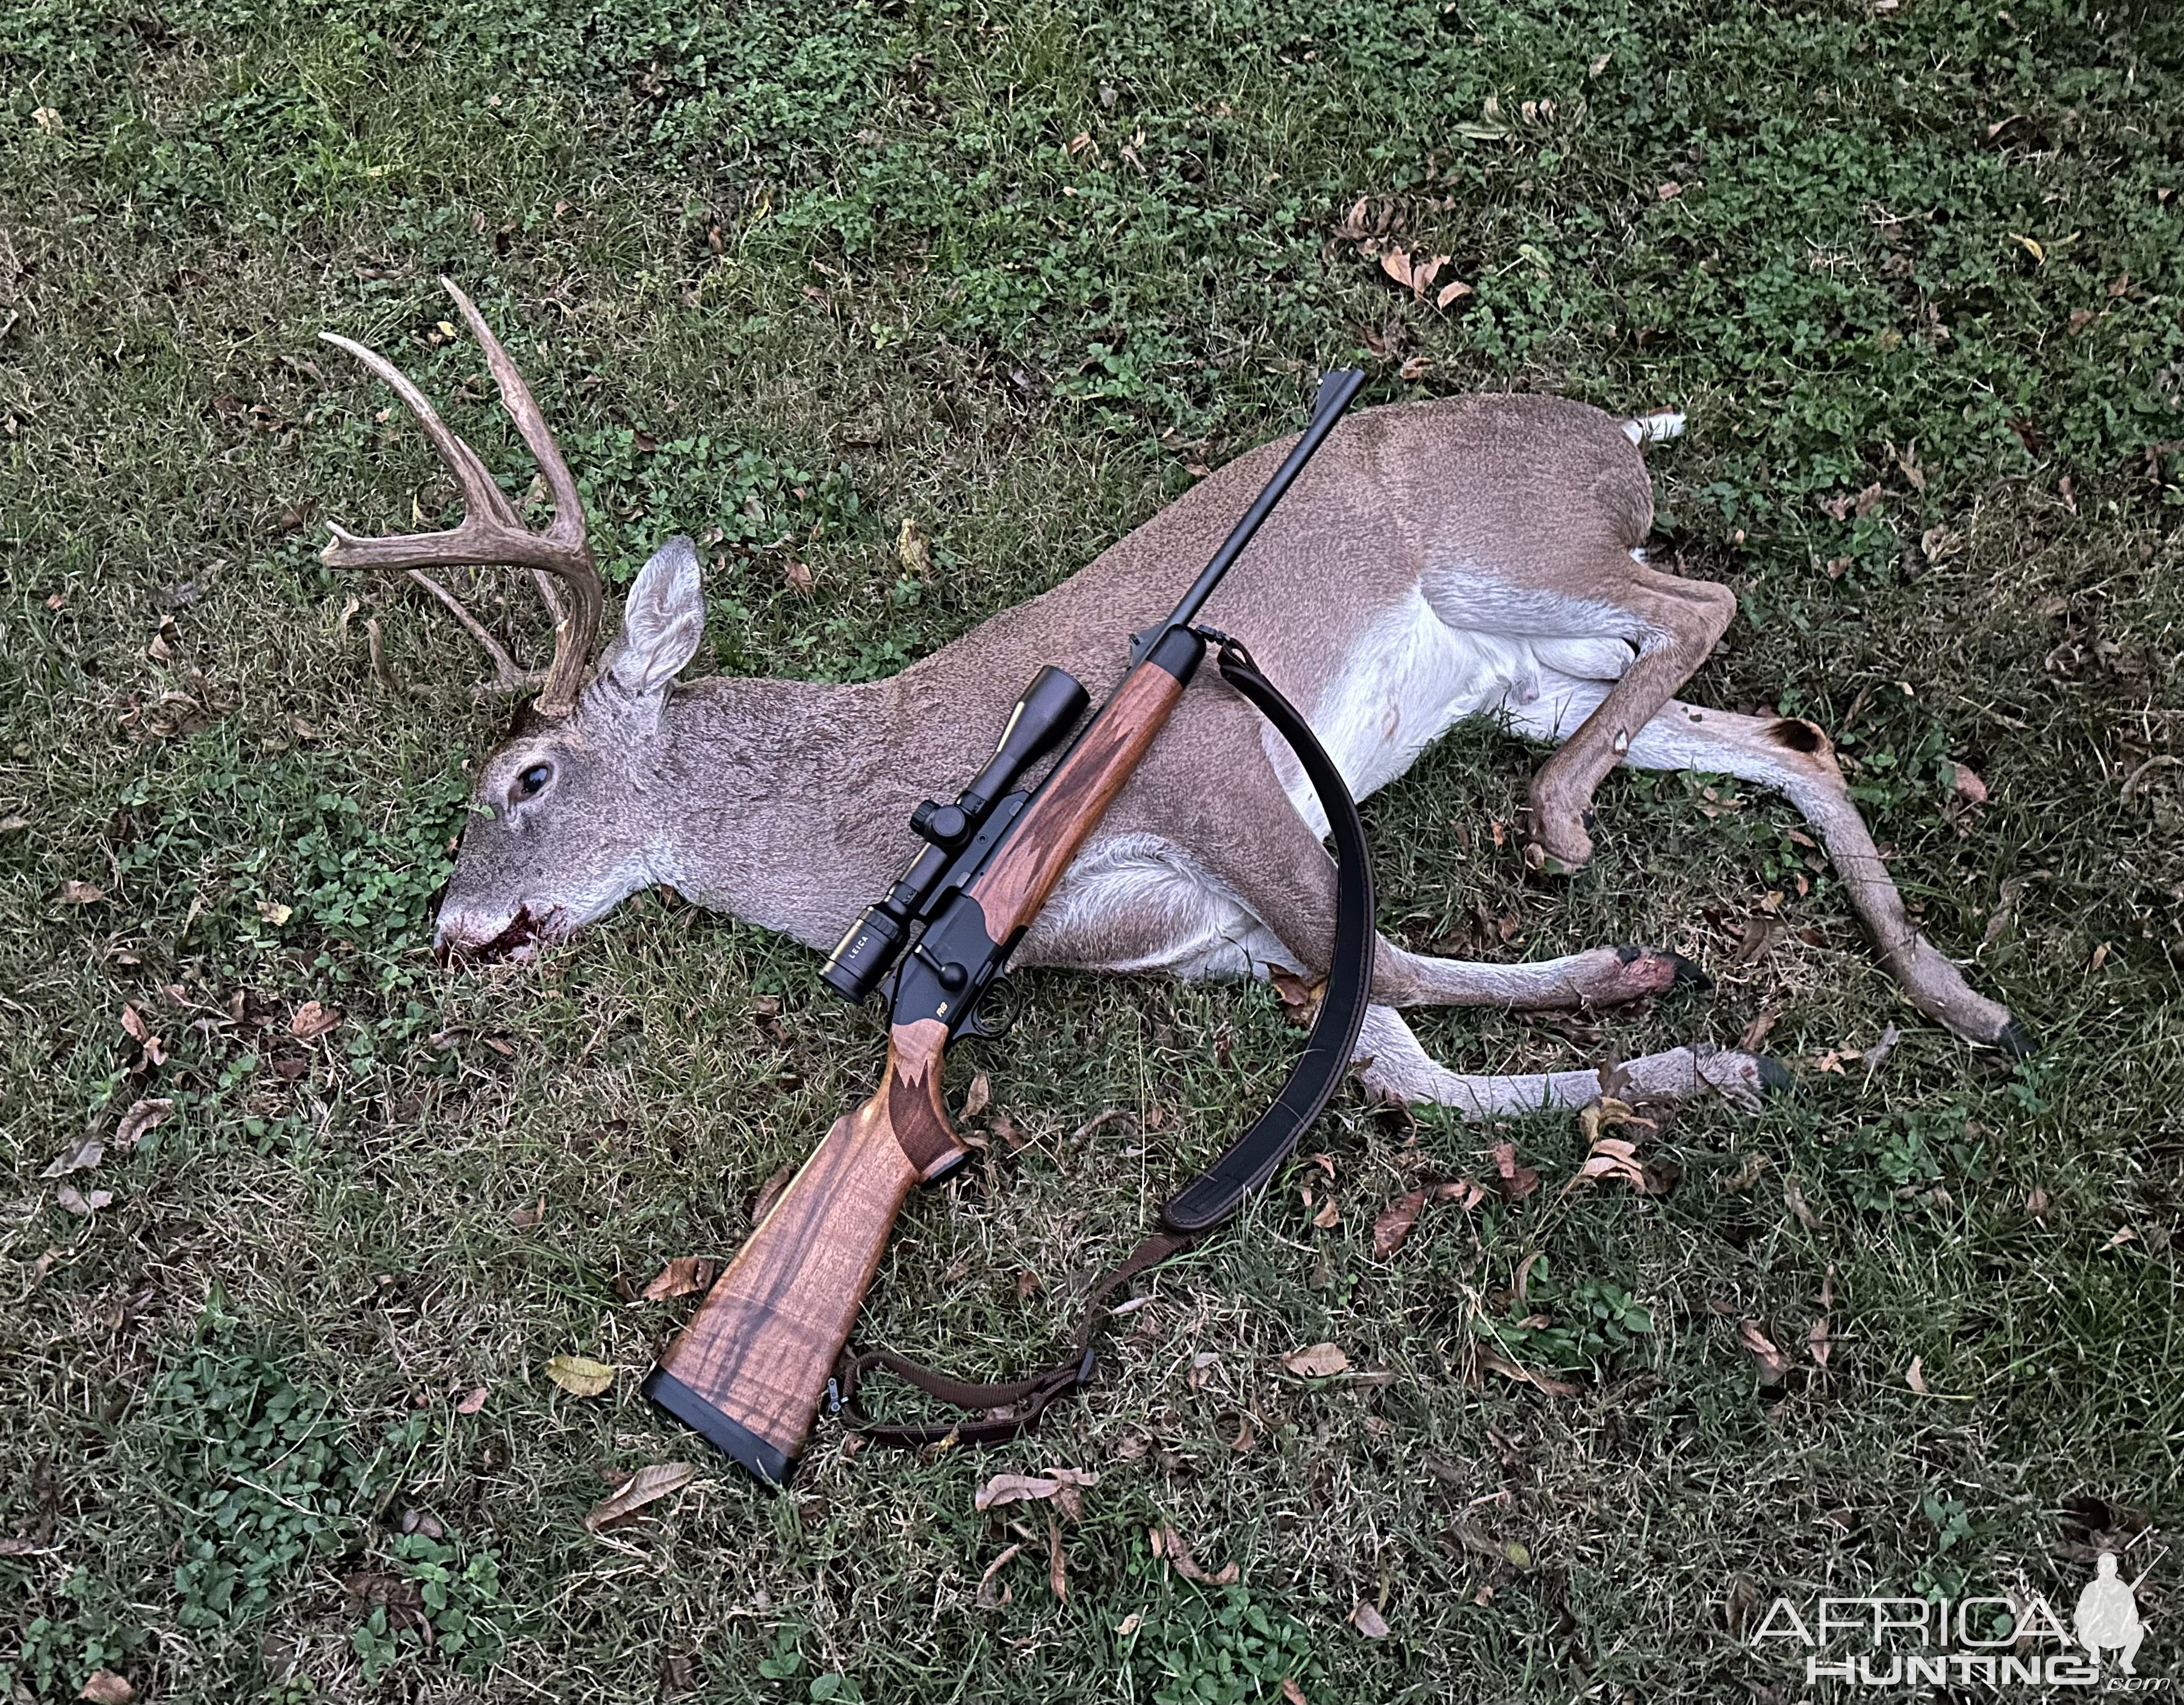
x: 751, y: 1368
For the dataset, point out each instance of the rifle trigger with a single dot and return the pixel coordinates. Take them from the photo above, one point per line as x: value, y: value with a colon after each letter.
x: 995, y: 1014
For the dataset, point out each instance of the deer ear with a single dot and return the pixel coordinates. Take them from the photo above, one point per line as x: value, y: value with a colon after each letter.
x: 661, y: 624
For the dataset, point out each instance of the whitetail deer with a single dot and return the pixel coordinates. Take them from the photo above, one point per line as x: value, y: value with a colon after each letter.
x: 1477, y: 556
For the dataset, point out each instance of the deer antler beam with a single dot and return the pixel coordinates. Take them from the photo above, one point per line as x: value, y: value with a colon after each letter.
x: 491, y: 531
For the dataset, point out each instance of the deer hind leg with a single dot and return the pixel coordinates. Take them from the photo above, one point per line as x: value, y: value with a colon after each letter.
x: 1675, y: 623
x: 1393, y: 1065
x: 1795, y: 758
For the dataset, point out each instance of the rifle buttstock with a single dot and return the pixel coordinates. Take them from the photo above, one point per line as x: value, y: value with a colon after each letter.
x: 749, y: 1370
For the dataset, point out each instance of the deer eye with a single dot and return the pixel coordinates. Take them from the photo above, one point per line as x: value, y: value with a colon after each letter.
x: 532, y: 781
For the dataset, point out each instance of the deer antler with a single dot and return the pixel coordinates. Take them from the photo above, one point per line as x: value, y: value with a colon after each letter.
x: 491, y: 531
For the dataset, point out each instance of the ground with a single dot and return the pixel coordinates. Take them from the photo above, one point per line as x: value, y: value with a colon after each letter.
x: 905, y: 310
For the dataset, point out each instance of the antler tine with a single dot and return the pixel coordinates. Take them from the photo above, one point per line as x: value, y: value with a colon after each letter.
x: 491, y: 531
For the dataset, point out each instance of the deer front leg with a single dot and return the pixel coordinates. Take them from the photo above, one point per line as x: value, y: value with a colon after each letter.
x: 1678, y: 622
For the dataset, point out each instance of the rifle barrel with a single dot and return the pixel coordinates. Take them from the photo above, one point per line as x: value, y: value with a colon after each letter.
x: 1335, y: 391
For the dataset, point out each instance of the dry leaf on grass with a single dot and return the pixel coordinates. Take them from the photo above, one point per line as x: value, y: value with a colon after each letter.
x: 1320, y: 1361
x: 1291, y: 1693
x: 1393, y: 1227
x: 1300, y: 995
x: 523, y: 1219
x: 1513, y: 1553
x: 798, y: 572
x: 313, y: 1019
x: 1915, y: 1375
x: 1065, y: 1486
x: 1613, y: 1156
x: 579, y: 1375
x: 649, y: 1484
x: 1329, y: 1215
x: 145, y: 1116
x: 80, y: 1155
x: 82, y: 894
x: 1547, y: 1384
x: 681, y: 1277
x: 1369, y: 1622
x: 69, y: 1197
x: 471, y: 1403
x: 770, y: 1192
x: 993, y: 1594
x: 1515, y: 1182
x: 1774, y: 1366
x: 979, y: 1096
x: 1171, y: 1546
x: 1794, y: 1194
x: 1817, y: 1343
x: 104, y: 1687
x: 1057, y: 1560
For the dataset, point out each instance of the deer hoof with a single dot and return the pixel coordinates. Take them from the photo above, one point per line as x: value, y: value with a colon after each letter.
x: 1774, y: 1078
x: 2015, y: 1041
x: 1558, y: 852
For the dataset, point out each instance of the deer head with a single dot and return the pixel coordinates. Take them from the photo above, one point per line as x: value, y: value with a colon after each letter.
x: 572, y: 812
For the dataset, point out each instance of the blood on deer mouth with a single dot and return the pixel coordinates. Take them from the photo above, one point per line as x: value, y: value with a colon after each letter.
x: 517, y: 941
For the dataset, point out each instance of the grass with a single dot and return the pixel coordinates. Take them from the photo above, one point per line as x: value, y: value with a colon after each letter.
x: 1015, y: 276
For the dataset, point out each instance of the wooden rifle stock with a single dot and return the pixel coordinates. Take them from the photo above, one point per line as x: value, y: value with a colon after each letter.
x: 749, y: 1370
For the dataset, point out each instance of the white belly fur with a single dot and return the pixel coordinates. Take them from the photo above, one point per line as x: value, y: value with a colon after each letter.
x: 1413, y: 677
x: 1410, y: 680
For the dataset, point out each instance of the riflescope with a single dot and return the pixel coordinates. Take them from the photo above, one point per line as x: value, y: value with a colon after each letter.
x: 1048, y: 710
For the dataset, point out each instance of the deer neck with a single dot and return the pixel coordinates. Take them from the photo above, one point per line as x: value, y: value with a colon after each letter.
x: 774, y: 782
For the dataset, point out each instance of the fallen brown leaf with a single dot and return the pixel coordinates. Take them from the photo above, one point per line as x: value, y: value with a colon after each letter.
x: 1329, y: 1215
x: 1968, y: 786
x: 1915, y: 1375
x: 1393, y: 1228
x: 1318, y: 1361
x: 979, y: 1096
x: 1793, y: 1194
x: 523, y: 1219
x: 471, y: 1402
x: 143, y: 1117
x: 649, y: 1484
x: 770, y: 1192
x: 80, y: 1155
x: 1774, y: 1366
x: 1817, y: 1342
x: 990, y: 1598
x: 1007, y: 1489
x: 681, y: 1277
x: 797, y: 574
x: 1515, y: 1182
x: 1169, y: 1544
x: 1756, y: 1032
x: 69, y: 1197
x: 1369, y: 1622
x: 2035, y: 1203
x: 1057, y: 1560
x: 579, y: 1375
x: 1454, y: 290
x: 104, y: 1687
x: 1292, y: 1694
x: 1300, y: 995
x: 313, y: 1019
x: 74, y: 893
x: 1547, y: 1384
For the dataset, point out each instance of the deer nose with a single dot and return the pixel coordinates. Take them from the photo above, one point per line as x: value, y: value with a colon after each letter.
x: 466, y: 933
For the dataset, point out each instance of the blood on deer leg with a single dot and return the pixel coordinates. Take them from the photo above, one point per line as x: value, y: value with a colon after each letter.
x: 1795, y: 758
x: 1392, y: 1063
x: 1678, y: 620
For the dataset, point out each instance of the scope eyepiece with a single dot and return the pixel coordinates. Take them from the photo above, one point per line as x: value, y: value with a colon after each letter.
x: 1048, y: 710
x: 866, y: 953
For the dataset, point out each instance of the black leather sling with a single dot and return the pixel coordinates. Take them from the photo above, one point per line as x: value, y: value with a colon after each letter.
x: 1005, y: 1410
